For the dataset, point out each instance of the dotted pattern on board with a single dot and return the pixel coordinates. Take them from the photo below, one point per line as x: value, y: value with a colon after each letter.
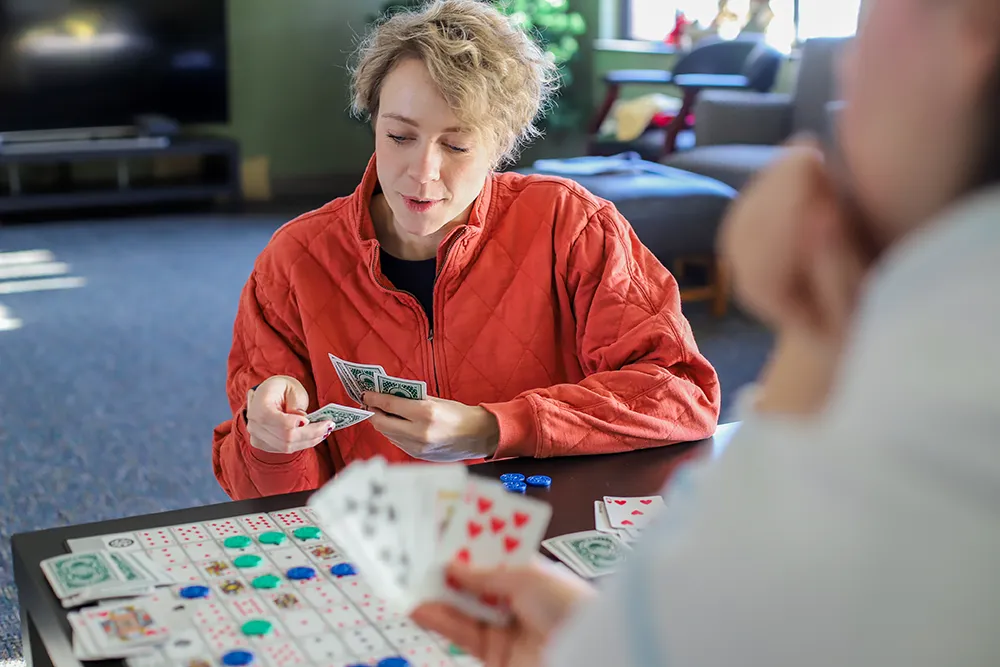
x: 272, y: 590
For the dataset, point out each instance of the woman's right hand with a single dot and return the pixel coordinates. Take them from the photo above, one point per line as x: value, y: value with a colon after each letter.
x: 276, y: 417
x: 540, y: 596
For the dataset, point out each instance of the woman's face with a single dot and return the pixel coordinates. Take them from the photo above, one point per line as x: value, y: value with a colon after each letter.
x: 913, y: 82
x: 431, y: 169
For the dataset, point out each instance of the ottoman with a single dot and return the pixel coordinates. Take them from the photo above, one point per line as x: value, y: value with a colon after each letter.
x: 675, y: 213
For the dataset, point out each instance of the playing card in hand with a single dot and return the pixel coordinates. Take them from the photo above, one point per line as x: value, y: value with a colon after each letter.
x: 412, y: 389
x: 402, y: 524
x: 341, y: 416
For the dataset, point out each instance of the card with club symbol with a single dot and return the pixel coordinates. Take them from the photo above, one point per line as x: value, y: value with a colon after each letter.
x: 403, y: 524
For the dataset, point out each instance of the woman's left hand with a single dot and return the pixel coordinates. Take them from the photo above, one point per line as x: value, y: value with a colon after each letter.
x: 435, y: 429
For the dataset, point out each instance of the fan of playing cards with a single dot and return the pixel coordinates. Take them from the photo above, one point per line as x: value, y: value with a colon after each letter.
x: 358, y: 379
x: 402, y: 524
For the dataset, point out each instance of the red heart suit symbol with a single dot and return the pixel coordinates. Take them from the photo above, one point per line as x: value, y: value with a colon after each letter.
x: 484, y: 505
x: 474, y: 529
x: 626, y: 522
x: 620, y: 502
x: 636, y: 512
x: 520, y: 518
x: 511, y: 543
x: 646, y: 502
x: 497, y: 524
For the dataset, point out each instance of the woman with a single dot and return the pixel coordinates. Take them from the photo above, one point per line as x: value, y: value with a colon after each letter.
x: 540, y: 324
x: 855, y: 517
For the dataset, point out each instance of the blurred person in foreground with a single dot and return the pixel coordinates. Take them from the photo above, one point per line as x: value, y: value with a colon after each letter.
x: 854, y: 519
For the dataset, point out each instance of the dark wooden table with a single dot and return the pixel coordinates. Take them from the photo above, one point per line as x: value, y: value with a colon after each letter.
x: 576, y: 483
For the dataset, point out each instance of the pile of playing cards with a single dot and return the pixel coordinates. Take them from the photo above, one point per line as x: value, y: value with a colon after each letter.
x: 626, y: 517
x: 117, y: 630
x: 358, y: 379
x: 81, y: 578
x: 402, y: 524
x: 589, y: 553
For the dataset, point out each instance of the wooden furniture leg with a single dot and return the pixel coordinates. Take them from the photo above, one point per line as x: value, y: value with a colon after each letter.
x: 722, y: 284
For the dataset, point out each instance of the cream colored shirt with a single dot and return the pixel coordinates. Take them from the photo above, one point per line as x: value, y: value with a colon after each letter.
x: 867, y: 537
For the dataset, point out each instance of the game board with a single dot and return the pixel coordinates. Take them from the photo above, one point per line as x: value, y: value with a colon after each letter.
x: 276, y: 593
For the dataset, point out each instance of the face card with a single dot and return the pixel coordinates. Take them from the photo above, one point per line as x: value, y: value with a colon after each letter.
x: 157, y: 537
x: 191, y: 532
x: 632, y: 512
x: 220, y: 529
x: 231, y: 587
x: 285, y: 601
x: 124, y: 625
x: 257, y: 523
x: 216, y: 569
x: 325, y: 553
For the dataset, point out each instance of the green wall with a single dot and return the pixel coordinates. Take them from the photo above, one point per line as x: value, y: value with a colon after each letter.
x: 289, y: 83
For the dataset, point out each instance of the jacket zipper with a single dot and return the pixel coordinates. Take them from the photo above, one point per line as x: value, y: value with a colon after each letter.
x: 430, y: 322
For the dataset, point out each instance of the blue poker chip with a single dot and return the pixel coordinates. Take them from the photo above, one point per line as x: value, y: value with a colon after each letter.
x: 343, y: 570
x: 394, y: 661
x: 237, y: 658
x: 194, y: 592
x: 301, y: 573
x: 539, y: 480
x: 515, y: 487
x: 511, y: 477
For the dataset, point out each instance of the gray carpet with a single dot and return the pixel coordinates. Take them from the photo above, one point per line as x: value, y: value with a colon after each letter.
x: 110, y: 392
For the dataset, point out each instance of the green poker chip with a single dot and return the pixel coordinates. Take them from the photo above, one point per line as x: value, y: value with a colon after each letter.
x: 266, y: 581
x: 272, y: 538
x: 256, y: 628
x: 237, y: 542
x: 307, y: 533
x: 455, y: 649
x: 247, y: 560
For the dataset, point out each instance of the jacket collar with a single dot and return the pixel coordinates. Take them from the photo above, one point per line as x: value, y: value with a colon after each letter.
x: 362, y: 197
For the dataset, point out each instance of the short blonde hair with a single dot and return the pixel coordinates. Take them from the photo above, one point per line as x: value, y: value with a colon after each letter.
x: 492, y: 74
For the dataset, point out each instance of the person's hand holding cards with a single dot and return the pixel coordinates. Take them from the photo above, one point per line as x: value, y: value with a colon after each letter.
x: 277, y: 421
x: 434, y: 429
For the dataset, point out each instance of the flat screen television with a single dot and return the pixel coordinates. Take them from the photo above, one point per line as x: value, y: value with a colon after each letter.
x: 67, y: 64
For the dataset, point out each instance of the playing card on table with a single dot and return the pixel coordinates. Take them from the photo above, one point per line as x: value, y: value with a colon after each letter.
x: 413, y: 389
x: 603, y: 524
x: 632, y: 512
x: 589, y: 553
x: 342, y: 416
x: 123, y: 626
x: 83, y: 577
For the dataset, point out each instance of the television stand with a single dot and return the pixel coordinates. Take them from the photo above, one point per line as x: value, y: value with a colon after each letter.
x: 81, y: 145
x: 123, y: 171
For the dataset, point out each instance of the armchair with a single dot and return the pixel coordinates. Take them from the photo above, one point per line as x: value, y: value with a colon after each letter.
x: 738, y: 133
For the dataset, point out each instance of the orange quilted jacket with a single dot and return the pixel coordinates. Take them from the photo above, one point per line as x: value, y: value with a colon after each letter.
x: 548, y: 312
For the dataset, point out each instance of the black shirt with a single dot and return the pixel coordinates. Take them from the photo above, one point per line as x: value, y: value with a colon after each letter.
x: 416, y: 277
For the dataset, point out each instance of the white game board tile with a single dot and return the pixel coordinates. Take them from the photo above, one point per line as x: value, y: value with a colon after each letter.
x: 257, y: 523
x: 168, y: 556
x: 190, y: 532
x: 205, y: 550
x: 289, y: 520
x: 155, y: 537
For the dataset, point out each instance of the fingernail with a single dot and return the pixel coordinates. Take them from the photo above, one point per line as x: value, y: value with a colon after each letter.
x: 302, y: 423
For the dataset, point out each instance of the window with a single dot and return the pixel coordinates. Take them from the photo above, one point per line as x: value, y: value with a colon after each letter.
x: 787, y: 21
